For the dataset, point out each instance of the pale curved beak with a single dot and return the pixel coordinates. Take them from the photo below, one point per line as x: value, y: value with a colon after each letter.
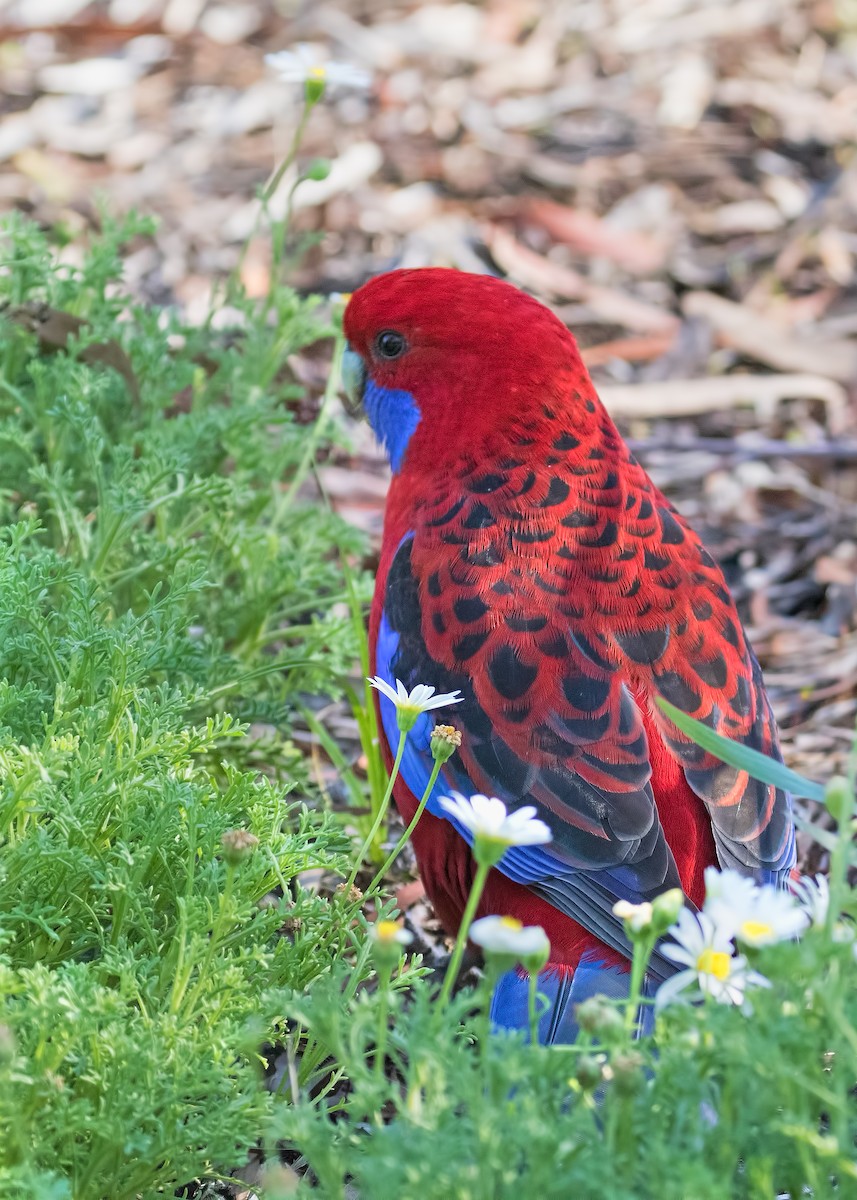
x: 353, y: 380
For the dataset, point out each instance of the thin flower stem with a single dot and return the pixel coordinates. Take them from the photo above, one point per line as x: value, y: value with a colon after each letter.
x: 397, y: 849
x: 493, y: 974
x: 273, y: 183
x: 473, y: 899
x: 382, y: 810
x: 642, y: 952
x: 384, y: 974
x: 315, y: 437
x: 532, y: 1007
x: 840, y: 854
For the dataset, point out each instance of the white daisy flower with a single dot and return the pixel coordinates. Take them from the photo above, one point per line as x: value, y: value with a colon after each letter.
x: 637, y: 917
x: 303, y: 65
x: 756, y: 916
x: 410, y: 705
x: 813, y: 896
x: 728, y: 886
x: 489, y: 820
x: 391, y: 933
x: 509, y: 938
x: 774, y: 917
x: 711, y: 965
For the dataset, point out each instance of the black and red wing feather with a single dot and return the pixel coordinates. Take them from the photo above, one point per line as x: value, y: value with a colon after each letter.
x: 607, y: 837
x: 562, y: 593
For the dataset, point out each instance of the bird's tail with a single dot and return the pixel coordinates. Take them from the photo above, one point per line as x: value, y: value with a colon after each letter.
x: 559, y: 994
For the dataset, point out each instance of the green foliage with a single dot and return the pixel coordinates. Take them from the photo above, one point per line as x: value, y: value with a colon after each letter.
x: 150, y: 574
x: 186, y: 482
x: 720, y: 1102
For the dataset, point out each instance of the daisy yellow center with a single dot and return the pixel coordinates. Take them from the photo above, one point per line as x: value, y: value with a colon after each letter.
x: 714, y: 962
x: 386, y: 930
x: 511, y: 923
x: 756, y: 929
x: 316, y: 73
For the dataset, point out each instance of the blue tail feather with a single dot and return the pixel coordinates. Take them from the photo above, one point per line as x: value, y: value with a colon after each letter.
x: 559, y: 996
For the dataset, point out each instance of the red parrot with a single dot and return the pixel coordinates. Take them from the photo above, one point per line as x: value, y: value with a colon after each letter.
x: 530, y: 564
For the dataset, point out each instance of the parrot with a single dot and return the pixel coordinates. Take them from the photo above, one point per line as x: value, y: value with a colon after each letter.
x: 529, y: 564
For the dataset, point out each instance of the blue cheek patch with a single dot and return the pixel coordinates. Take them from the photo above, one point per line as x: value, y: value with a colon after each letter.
x: 394, y: 416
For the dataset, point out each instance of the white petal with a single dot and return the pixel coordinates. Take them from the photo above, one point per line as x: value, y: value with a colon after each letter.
x: 754, y: 979
x: 670, y: 989
x: 679, y: 954
x: 292, y: 66
x: 489, y: 813
x: 525, y: 813
x: 498, y: 936
x: 384, y: 688
x: 727, y: 883
x: 688, y: 932
x: 813, y: 895
x: 347, y: 75
x: 535, y: 833
x: 522, y: 828
x: 460, y: 808
x: 533, y: 941
x: 442, y: 700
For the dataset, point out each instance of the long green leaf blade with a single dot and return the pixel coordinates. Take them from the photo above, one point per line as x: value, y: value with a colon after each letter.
x: 755, y: 764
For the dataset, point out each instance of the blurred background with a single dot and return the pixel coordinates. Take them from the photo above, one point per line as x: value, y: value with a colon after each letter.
x: 676, y: 178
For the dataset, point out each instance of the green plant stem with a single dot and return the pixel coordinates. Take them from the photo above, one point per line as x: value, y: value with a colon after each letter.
x: 269, y: 191
x: 532, y: 1007
x: 215, y: 938
x: 382, y: 810
x: 493, y: 973
x: 384, y: 974
x: 311, y: 447
x: 473, y: 899
x: 397, y: 849
x: 643, y: 946
x: 839, y: 863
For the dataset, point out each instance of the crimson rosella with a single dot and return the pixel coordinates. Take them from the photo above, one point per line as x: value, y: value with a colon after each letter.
x: 529, y: 563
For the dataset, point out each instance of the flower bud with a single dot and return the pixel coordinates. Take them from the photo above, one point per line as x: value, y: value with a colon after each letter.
x: 318, y: 169
x: 627, y: 1070
x: 238, y: 845
x: 588, y: 1072
x: 599, y: 1017
x: 637, y: 917
x: 666, y: 908
x: 445, y: 740
x: 839, y: 799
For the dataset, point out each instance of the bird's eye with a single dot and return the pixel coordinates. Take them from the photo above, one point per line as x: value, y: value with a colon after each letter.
x: 389, y: 344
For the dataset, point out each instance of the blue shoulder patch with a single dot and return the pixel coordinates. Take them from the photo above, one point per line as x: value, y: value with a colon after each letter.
x: 393, y: 415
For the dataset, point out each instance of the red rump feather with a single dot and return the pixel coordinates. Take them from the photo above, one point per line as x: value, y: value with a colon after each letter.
x: 545, y: 575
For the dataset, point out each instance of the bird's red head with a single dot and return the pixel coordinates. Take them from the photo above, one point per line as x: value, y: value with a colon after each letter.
x: 441, y: 360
